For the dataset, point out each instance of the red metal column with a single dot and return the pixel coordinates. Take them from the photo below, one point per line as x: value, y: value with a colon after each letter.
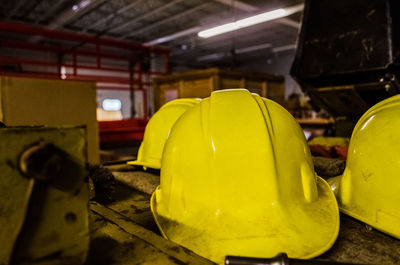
x: 167, y: 63
x: 74, y: 64
x: 143, y: 89
x: 98, y: 58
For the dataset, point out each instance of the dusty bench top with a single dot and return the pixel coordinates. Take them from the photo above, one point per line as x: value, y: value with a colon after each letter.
x: 356, y: 243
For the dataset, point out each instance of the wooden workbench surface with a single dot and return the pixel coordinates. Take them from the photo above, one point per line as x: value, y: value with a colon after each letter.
x: 356, y: 243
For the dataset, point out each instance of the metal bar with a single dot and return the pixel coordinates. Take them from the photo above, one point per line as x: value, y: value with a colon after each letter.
x: 47, y: 48
x: 146, y: 15
x: 289, y: 22
x: 63, y: 35
x: 238, y: 5
x: 174, y: 36
x: 98, y: 58
x: 144, y: 91
x: 147, y: 84
x: 253, y: 48
x: 98, y: 78
x: 167, y: 20
x: 49, y: 75
x: 59, y: 63
x: 8, y: 59
x: 284, y: 48
x: 132, y: 89
x: 168, y: 64
x: 98, y: 68
x: 33, y: 75
x: 12, y: 60
x: 74, y: 64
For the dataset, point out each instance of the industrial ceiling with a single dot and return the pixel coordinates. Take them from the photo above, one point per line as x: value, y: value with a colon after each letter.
x: 173, y: 24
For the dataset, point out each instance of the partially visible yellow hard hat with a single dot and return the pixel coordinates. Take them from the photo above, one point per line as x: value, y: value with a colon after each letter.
x: 237, y: 179
x: 369, y: 189
x: 157, y: 131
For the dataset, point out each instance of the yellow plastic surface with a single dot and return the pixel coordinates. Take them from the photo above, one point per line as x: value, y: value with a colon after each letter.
x: 237, y: 179
x: 157, y: 131
x: 370, y: 187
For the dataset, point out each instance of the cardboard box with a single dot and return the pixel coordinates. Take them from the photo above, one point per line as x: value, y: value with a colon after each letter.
x: 33, y: 101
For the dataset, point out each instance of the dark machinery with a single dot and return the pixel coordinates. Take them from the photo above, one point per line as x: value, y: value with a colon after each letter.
x: 348, y: 54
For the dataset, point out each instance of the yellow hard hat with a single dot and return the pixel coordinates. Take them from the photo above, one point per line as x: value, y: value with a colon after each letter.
x: 157, y: 131
x: 237, y: 179
x: 369, y: 189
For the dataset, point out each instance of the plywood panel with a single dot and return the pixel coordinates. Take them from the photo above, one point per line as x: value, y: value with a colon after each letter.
x: 199, y: 88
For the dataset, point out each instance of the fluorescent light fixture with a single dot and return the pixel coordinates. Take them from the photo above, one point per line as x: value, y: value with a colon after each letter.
x: 250, y: 21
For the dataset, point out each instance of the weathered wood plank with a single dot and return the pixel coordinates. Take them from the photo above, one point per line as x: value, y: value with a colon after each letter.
x: 132, y: 243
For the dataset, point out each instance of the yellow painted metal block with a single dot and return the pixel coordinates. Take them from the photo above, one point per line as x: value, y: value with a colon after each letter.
x: 44, y: 221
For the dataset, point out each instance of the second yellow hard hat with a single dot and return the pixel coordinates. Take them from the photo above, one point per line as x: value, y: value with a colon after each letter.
x: 157, y: 131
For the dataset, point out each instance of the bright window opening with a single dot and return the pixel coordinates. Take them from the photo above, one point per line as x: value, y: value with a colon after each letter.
x: 111, y: 104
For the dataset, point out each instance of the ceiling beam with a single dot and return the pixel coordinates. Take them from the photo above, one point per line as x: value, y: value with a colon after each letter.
x: 284, y: 48
x: 289, y: 22
x: 238, y: 5
x: 219, y: 55
x: 145, y: 15
x: 253, y: 48
x: 174, y: 36
x: 111, y: 16
x: 167, y: 20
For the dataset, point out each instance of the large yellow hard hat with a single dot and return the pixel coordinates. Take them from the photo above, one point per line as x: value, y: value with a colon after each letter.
x: 157, y: 130
x: 237, y: 178
x: 369, y: 189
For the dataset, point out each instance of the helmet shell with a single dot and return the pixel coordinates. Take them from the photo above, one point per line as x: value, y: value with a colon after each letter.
x: 369, y: 189
x: 237, y: 179
x: 157, y: 131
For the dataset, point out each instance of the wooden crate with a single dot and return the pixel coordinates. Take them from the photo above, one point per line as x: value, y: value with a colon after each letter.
x: 200, y: 83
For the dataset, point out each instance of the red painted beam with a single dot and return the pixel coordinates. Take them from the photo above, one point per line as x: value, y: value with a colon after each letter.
x: 70, y: 36
x: 14, y: 44
x: 122, y: 131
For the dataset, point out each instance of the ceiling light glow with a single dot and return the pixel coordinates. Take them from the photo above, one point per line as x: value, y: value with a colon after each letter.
x: 250, y: 21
